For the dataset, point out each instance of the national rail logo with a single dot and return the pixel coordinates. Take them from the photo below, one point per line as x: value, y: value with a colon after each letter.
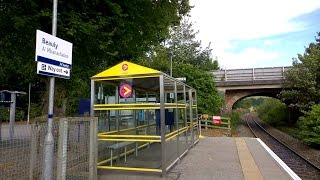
x: 124, y: 67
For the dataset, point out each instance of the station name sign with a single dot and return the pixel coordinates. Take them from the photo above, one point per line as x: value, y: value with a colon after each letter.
x: 53, y: 55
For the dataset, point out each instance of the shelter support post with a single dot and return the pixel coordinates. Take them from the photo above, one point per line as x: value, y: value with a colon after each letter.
x: 12, y: 114
x: 162, y: 126
x: 191, y: 116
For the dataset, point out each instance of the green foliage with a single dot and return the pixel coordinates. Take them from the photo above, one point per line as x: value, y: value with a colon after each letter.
x: 302, y: 86
x: 209, y: 100
x: 186, y: 49
x: 35, y: 110
x: 244, y: 103
x: 5, y: 114
x: 293, y: 131
x: 182, y: 47
x: 249, y: 103
x: 190, y: 61
x: 310, y: 126
x: 234, y: 119
x: 20, y: 115
x: 102, y: 32
x: 273, y: 111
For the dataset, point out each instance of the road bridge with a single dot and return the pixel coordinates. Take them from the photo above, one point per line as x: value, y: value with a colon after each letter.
x: 236, y: 84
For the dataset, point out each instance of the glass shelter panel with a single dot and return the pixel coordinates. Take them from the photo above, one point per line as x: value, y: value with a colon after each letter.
x: 130, y: 123
x: 182, y: 120
x: 171, y: 122
x: 195, y: 117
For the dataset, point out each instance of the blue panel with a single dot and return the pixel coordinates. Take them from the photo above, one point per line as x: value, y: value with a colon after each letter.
x: 84, y: 106
x: 169, y: 117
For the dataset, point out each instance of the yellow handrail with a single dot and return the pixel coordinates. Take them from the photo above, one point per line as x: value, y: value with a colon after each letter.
x: 137, y: 106
x: 129, y: 136
x: 130, y: 169
x: 124, y: 130
x: 131, y: 140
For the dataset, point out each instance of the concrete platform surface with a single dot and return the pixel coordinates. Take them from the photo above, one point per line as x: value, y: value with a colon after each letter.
x: 216, y: 158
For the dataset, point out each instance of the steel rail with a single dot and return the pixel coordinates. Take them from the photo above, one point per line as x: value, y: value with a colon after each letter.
x: 292, y: 150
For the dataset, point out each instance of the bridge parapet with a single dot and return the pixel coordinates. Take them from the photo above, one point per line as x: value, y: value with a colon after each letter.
x: 235, y: 84
x: 252, y: 74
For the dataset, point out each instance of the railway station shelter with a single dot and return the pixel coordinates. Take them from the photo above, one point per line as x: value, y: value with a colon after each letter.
x: 147, y: 119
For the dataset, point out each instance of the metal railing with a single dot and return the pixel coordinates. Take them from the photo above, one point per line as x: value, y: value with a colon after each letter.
x: 21, y: 157
x: 252, y: 74
x: 225, y: 124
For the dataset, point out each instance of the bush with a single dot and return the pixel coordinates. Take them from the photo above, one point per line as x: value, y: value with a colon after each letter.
x: 234, y: 119
x: 273, y: 112
x: 35, y: 110
x: 310, y: 126
x: 5, y: 114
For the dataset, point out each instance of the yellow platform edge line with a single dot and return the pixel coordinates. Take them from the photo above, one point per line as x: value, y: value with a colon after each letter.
x: 249, y: 167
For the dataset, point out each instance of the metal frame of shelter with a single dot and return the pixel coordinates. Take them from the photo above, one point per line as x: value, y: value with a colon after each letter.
x: 169, y: 144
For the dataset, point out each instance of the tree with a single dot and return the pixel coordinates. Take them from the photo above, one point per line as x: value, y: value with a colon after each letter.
x: 209, y: 100
x: 190, y: 60
x: 184, y: 47
x: 310, y: 126
x: 273, y: 111
x: 102, y: 32
x: 302, y: 84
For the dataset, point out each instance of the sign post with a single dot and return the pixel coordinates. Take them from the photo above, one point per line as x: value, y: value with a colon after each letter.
x: 54, y: 59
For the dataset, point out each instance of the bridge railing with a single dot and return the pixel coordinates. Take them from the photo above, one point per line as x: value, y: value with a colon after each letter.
x: 252, y: 74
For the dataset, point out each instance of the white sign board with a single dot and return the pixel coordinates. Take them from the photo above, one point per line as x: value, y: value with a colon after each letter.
x: 54, y: 55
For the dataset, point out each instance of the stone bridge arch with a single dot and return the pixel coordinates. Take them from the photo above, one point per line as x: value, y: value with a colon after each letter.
x: 236, y: 84
x: 232, y: 96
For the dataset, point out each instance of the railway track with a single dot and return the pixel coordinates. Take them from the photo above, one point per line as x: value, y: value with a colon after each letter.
x: 301, y: 166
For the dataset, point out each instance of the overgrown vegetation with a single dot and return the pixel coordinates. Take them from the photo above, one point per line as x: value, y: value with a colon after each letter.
x: 234, y: 119
x: 273, y: 112
x: 302, y: 94
x: 250, y: 103
x: 310, y: 126
x: 5, y: 114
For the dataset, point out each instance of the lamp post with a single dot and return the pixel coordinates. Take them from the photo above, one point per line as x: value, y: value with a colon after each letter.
x: 171, y: 64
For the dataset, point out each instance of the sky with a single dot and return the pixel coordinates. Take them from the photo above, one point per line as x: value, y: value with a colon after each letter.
x: 256, y: 33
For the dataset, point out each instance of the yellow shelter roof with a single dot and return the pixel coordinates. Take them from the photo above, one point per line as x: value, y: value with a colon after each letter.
x: 126, y: 69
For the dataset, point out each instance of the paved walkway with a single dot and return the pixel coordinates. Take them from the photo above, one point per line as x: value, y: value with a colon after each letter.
x: 217, y: 158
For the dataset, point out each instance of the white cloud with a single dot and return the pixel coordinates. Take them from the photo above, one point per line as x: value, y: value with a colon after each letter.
x: 220, y: 22
x: 267, y: 42
x: 251, y: 56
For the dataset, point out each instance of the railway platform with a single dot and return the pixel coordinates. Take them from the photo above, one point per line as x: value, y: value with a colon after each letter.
x: 220, y: 158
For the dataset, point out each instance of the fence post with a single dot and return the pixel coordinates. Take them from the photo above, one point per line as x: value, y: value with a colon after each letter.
x: 62, y: 149
x: 200, y: 136
x: 93, y: 153
x: 33, y: 151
